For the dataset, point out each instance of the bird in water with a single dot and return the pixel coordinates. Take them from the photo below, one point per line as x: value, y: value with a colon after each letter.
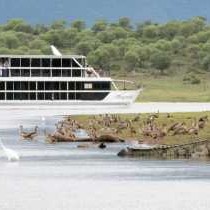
x: 28, y: 135
x: 102, y: 146
x: 11, y: 154
x: 43, y: 124
x: 43, y: 120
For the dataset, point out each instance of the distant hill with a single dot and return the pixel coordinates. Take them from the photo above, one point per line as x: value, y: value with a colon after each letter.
x: 45, y: 11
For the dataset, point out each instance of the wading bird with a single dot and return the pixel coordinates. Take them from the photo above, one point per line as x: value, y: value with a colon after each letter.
x: 28, y: 135
x: 11, y: 154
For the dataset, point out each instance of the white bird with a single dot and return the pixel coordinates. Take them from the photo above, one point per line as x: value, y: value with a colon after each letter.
x: 11, y: 154
x: 43, y: 124
x: 43, y: 119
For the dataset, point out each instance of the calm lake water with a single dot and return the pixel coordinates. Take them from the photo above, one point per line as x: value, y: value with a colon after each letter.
x: 62, y: 176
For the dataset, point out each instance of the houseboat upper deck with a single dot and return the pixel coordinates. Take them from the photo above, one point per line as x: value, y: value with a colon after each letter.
x: 56, y: 78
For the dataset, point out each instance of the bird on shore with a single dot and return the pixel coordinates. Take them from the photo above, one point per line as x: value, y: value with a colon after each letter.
x: 176, y: 126
x: 136, y: 118
x: 168, y: 115
x: 180, y: 130
x: 194, y: 128
x: 11, y: 154
x: 28, y: 135
x: 202, y: 121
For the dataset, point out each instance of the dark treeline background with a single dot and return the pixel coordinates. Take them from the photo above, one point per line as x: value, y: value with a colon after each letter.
x: 163, y: 49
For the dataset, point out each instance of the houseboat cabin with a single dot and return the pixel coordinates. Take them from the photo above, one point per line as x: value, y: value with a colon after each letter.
x: 50, y: 78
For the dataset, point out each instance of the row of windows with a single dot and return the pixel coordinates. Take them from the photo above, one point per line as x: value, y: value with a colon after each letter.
x: 54, y: 86
x: 45, y: 62
x: 52, y: 96
x: 43, y: 72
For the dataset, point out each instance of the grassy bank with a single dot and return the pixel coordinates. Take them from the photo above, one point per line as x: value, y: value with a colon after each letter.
x: 137, y: 125
x: 172, y: 89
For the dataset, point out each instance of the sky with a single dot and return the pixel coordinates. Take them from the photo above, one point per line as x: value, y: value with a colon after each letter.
x: 46, y: 11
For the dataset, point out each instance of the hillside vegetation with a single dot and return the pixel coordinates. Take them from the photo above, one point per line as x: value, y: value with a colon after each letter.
x: 173, y: 57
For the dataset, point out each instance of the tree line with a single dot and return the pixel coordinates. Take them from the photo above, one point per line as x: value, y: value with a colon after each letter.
x: 118, y: 46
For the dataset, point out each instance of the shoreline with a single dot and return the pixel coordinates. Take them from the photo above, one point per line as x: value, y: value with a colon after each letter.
x: 153, y: 128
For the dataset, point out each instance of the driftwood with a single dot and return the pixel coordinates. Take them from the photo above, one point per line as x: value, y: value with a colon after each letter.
x: 61, y: 138
x: 108, y: 139
x: 57, y: 137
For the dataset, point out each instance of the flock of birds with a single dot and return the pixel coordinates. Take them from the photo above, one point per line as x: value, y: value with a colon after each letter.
x: 153, y: 130
x: 113, y: 126
x: 136, y: 127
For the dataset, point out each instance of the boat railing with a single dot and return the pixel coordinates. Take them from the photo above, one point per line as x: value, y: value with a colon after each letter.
x: 125, y: 85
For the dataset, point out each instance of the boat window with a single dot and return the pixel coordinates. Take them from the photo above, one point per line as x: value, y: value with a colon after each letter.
x: 63, y: 96
x: 48, y: 85
x: 55, y: 85
x: 40, y: 96
x: 17, y: 86
x: 71, y: 96
x: 96, y: 86
x: 9, y: 85
x: 48, y: 96
x: 32, y: 85
x: 15, y: 72
x: 75, y: 64
x: 46, y: 62
x: 24, y: 85
x: 24, y: 96
x: 78, y: 85
x: 4, y: 67
x: 15, y: 62
x: 105, y: 85
x: 32, y: 96
x: 56, y: 96
x: 35, y: 62
x: 76, y: 73
x: 92, y: 96
x: 78, y: 96
x: 63, y: 86
x: 66, y: 62
x: 9, y: 96
x: 56, y: 62
x: 4, y: 62
x: 40, y: 85
x: 66, y: 73
x: 25, y: 62
x: 25, y: 72
x: 88, y: 85
x: 56, y: 72
x: 17, y: 96
x: 46, y: 72
x: 71, y: 85
x: 2, y: 96
x: 35, y: 72
x: 2, y: 85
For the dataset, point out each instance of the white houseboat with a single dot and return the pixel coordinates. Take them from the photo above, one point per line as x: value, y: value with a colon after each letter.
x: 57, y: 80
